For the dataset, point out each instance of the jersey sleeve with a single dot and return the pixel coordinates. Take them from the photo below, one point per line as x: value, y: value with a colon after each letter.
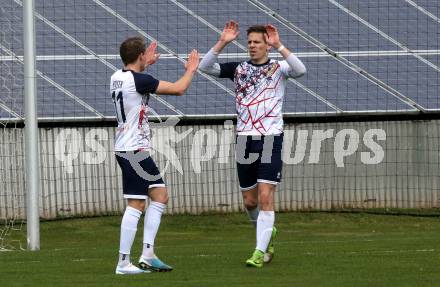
x: 227, y: 70
x: 145, y: 83
x: 284, y: 68
x: 292, y: 67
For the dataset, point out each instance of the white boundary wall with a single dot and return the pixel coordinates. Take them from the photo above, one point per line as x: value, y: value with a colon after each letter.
x: 386, y: 164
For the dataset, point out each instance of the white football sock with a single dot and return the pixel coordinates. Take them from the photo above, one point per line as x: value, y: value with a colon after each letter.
x: 265, y: 222
x: 253, y: 215
x: 151, y: 226
x: 124, y: 260
x: 128, y: 232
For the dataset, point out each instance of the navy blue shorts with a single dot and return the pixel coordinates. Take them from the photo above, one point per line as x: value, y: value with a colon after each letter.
x: 139, y: 173
x: 259, y: 160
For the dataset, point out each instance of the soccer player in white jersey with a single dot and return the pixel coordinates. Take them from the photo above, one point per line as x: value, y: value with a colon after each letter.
x: 130, y: 90
x: 259, y: 88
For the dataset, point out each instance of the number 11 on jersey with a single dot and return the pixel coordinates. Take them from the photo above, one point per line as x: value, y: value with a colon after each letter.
x: 120, y: 114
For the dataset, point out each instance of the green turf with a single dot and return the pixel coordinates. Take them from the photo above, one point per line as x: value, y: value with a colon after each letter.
x: 312, y: 249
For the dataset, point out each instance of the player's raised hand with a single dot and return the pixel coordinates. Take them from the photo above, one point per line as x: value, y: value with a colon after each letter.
x: 151, y: 55
x: 272, y: 36
x: 193, y: 61
x: 230, y: 32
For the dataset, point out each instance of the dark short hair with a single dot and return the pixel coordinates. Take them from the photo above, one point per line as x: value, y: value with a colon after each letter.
x: 131, y: 48
x: 257, y: 29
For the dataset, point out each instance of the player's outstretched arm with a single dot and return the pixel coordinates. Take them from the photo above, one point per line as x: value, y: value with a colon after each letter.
x: 209, y: 63
x: 296, y: 67
x: 179, y: 87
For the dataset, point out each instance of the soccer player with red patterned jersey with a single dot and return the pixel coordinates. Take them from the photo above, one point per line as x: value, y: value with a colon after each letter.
x: 259, y: 91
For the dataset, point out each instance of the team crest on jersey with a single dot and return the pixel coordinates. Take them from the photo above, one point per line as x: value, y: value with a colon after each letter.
x: 271, y: 69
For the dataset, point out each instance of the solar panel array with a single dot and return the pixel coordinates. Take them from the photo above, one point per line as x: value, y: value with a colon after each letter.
x: 362, y: 56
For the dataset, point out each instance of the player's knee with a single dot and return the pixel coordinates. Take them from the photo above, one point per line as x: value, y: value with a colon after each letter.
x: 250, y: 202
x: 165, y: 198
x: 159, y: 194
x: 142, y: 206
x: 137, y: 204
x: 251, y: 206
x: 162, y: 197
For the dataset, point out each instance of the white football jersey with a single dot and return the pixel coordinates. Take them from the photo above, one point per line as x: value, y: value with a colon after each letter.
x: 259, y: 93
x: 130, y: 92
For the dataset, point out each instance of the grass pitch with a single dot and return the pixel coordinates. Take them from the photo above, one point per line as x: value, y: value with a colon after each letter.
x: 312, y: 249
